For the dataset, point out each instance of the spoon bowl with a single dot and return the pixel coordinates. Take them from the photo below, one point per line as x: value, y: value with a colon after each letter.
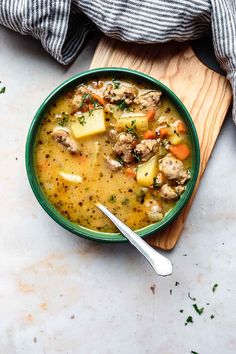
x: 161, y: 264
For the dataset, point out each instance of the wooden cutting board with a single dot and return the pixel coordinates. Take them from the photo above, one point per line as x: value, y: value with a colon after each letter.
x: 206, y: 94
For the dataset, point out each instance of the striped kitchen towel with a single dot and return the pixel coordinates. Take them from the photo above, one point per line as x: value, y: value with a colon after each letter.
x: 61, y: 25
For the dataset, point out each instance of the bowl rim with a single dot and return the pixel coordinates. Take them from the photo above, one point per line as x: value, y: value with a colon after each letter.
x: 30, y: 148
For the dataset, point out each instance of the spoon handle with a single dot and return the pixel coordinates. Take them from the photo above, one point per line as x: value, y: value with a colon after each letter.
x: 161, y: 264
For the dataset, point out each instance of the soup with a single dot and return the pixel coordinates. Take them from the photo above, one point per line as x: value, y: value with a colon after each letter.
x: 117, y: 142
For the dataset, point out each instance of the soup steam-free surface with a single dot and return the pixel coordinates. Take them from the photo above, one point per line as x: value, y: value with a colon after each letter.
x: 75, y: 180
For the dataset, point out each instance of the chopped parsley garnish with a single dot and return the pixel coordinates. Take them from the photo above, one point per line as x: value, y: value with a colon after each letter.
x: 120, y: 160
x: 189, y: 320
x: 198, y: 310
x: 212, y: 316
x: 2, y: 89
x: 125, y: 201
x: 156, y: 184
x: 214, y: 287
x: 95, y: 103
x: 86, y: 99
x: 165, y: 142
x: 86, y: 96
x: 176, y: 283
x: 136, y: 157
x: 82, y: 120
x: 116, y: 84
x: 63, y: 119
x: 122, y: 105
x: 132, y: 129
x: 193, y: 352
x: 191, y: 298
x: 140, y: 196
x: 112, y: 198
x: 181, y: 311
x: 129, y: 109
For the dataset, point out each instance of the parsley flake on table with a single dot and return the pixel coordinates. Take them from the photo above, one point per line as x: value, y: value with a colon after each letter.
x: 189, y: 320
x: 191, y: 298
x: 193, y: 352
x: 198, y: 310
x: 212, y: 316
x: 2, y: 89
x: 214, y: 287
x: 153, y: 288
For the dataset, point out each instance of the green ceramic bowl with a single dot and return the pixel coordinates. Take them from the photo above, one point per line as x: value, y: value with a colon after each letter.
x: 30, y: 146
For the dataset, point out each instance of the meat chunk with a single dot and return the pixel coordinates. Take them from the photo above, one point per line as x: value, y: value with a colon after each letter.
x: 155, y: 211
x: 113, y: 134
x: 81, y: 96
x: 124, y: 147
x: 146, y: 149
x: 62, y: 137
x: 173, y: 169
x: 123, y: 93
x: 149, y: 99
x: 180, y: 189
x: 184, y: 177
x: 97, y: 84
x: 168, y: 192
x: 113, y: 164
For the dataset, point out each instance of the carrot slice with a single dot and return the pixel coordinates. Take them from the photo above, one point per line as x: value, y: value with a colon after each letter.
x: 84, y: 109
x: 164, y: 132
x: 98, y: 98
x: 151, y: 114
x: 149, y: 134
x: 180, y: 151
x: 81, y: 158
x: 129, y: 172
x: 181, y: 128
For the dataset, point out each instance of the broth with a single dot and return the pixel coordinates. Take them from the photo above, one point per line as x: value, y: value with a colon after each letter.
x: 80, y: 159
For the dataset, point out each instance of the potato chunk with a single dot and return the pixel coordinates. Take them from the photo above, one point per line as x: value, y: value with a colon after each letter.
x: 138, y: 122
x: 175, y: 139
x: 146, y: 172
x: 89, y: 124
x: 69, y: 177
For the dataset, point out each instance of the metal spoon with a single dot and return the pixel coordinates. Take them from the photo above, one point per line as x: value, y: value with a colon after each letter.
x: 161, y: 264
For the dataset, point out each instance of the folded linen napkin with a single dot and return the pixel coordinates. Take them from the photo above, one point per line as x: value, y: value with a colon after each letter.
x: 62, y: 25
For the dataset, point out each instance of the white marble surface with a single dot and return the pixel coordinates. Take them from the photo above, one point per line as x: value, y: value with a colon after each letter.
x: 63, y: 294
